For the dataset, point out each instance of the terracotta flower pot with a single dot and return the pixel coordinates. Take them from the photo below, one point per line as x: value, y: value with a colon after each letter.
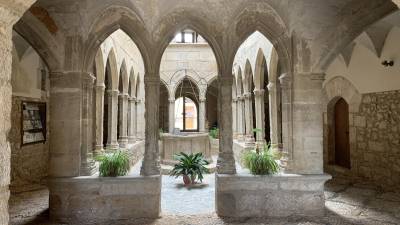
x: 186, y: 180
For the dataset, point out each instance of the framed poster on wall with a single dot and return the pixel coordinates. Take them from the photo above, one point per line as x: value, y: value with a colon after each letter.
x: 33, y: 122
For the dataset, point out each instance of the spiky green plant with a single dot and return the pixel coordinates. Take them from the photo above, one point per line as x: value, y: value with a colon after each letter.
x: 113, y: 164
x: 261, y: 162
x: 191, y: 165
x: 214, y: 133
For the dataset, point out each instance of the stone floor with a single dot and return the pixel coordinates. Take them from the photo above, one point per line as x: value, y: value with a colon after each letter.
x: 346, y: 204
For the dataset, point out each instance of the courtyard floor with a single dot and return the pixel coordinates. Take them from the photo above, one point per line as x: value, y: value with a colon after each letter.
x: 345, y: 204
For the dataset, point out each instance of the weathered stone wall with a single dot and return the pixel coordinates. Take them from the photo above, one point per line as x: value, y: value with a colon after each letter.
x: 378, y: 139
x: 29, y: 163
x: 374, y: 142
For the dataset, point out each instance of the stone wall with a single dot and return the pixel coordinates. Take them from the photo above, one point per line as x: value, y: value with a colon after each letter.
x: 374, y: 142
x: 29, y: 163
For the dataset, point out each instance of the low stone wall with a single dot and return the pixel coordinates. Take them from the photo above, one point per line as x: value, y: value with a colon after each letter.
x: 238, y: 149
x: 270, y: 196
x: 136, y: 152
x: 103, y: 200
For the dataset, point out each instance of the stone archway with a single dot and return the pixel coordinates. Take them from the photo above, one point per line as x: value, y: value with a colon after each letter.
x: 339, y: 89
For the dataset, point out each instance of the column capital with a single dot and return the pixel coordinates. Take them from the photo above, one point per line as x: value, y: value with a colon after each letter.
x: 271, y: 86
x: 171, y: 100
x: 247, y: 95
x: 88, y: 77
x: 123, y: 95
x: 235, y: 99
x: 132, y: 99
x: 100, y: 87
x: 113, y: 92
x: 285, y: 80
x: 202, y: 100
x: 259, y: 92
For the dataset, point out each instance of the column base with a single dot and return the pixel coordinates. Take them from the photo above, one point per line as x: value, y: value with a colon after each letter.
x: 123, y: 142
x: 282, y: 195
x: 131, y: 139
x: 226, y: 163
x: 98, y: 150
x: 112, y: 146
x: 89, y: 168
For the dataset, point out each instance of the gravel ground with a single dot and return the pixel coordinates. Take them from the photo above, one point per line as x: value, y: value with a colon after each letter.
x: 345, y: 204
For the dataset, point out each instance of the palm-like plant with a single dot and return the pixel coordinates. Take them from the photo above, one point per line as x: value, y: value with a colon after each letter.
x: 261, y: 162
x: 191, y: 167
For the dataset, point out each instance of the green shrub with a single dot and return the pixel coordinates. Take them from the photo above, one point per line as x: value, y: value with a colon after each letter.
x: 261, y: 162
x: 214, y: 133
x: 190, y: 166
x: 113, y: 164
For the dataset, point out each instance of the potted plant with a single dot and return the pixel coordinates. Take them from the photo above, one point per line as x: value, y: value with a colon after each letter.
x: 191, y: 167
x: 261, y: 161
x: 113, y: 164
x: 214, y: 133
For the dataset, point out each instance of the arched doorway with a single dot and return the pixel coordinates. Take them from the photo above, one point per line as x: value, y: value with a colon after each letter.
x: 341, y: 131
x: 186, y: 106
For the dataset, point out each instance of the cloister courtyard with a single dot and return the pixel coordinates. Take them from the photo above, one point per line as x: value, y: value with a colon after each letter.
x: 111, y: 112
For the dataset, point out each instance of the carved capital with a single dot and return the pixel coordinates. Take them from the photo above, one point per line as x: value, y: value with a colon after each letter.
x: 171, y: 100
x: 100, y: 87
x: 259, y: 92
x: 247, y: 95
x: 271, y: 86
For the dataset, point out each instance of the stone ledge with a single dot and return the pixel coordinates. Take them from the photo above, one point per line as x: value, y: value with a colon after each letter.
x: 101, y: 199
x: 282, y: 195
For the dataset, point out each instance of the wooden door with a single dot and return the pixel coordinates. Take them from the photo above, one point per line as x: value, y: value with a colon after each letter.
x: 342, y: 141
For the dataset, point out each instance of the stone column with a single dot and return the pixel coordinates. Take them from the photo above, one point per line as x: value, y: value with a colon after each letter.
x: 87, y: 161
x: 226, y: 161
x: 99, y: 118
x: 123, y: 120
x: 151, y: 160
x: 112, y: 142
x: 5, y: 115
x: 66, y: 125
x: 10, y: 13
x: 202, y: 114
x: 273, y: 113
x: 307, y: 152
x: 260, y: 113
x: 135, y: 121
x: 240, y: 117
x: 287, y: 126
x: 132, y: 119
x: 171, y: 115
x: 248, y: 114
x: 234, y: 117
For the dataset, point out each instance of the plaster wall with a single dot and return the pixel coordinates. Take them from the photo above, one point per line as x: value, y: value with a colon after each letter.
x: 365, y: 70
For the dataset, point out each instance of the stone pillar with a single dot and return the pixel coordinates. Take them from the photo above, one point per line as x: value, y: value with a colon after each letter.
x: 135, y: 121
x: 260, y: 113
x: 87, y: 161
x: 171, y: 115
x: 5, y: 116
x: 287, y: 126
x: 240, y: 117
x: 132, y: 119
x: 202, y: 114
x: 99, y: 118
x: 307, y: 152
x: 67, y: 130
x: 112, y: 142
x: 151, y: 160
x: 123, y: 120
x: 10, y: 13
x: 226, y: 161
x: 248, y: 114
x: 273, y: 113
x: 234, y: 117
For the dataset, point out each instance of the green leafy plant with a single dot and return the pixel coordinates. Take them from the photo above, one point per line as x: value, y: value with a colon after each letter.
x: 261, y: 161
x: 113, y: 164
x: 191, y: 167
x: 214, y: 133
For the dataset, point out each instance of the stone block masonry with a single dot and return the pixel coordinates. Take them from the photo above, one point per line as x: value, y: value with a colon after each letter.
x: 104, y: 200
x: 270, y: 196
